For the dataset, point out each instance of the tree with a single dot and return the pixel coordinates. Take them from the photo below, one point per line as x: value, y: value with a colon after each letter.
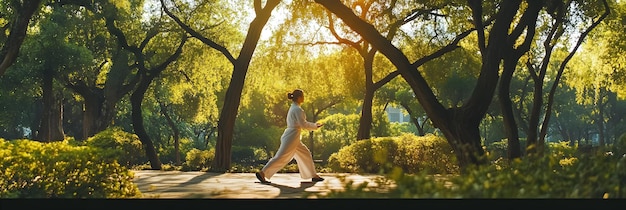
x: 535, y: 140
x: 110, y: 77
x: 460, y: 125
x: 598, y: 77
x: 388, y: 19
x: 136, y: 98
x: 57, y: 56
x: 241, y: 64
x: 149, y: 65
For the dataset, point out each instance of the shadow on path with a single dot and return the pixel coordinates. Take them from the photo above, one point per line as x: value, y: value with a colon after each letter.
x: 289, y: 191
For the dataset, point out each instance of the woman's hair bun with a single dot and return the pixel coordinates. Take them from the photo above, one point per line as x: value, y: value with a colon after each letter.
x: 290, y: 95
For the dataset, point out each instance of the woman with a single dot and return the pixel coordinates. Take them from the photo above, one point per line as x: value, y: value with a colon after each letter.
x: 290, y: 145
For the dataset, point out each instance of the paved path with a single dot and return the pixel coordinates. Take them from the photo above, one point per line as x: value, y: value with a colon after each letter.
x: 176, y: 184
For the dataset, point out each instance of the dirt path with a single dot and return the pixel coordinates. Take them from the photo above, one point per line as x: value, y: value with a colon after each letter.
x: 177, y: 184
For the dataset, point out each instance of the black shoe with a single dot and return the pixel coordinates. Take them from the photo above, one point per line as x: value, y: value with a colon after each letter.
x: 261, y: 178
x: 317, y: 179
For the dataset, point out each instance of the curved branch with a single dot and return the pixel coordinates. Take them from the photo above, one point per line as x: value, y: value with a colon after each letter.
x: 159, y: 68
x: 331, y: 27
x: 386, y: 79
x: 199, y: 36
x: 450, y: 47
x: 11, y: 47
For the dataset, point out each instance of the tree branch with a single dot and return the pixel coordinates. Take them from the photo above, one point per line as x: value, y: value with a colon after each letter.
x: 199, y: 36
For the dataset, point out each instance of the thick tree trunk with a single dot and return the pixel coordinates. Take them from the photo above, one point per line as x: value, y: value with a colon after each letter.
x: 92, y: 114
x: 137, y: 118
x: 51, y: 125
x: 226, y: 123
x: 464, y: 137
x: 98, y: 108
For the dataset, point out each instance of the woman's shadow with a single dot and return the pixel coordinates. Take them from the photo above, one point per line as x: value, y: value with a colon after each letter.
x: 293, y: 192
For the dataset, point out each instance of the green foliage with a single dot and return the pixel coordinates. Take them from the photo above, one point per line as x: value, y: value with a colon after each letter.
x: 339, y: 130
x: 32, y: 169
x: 558, y: 174
x: 120, y: 145
x: 400, y: 128
x: 242, y: 154
x: 619, y: 147
x: 167, y: 153
x: 380, y: 125
x: 499, y: 149
x: 409, y: 153
x: 198, y: 160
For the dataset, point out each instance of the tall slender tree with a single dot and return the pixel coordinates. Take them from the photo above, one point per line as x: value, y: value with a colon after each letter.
x: 537, y: 134
x: 228, y: 115
x: 149, y: 65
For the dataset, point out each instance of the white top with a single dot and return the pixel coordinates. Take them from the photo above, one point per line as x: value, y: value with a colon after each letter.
x: 296, y: 118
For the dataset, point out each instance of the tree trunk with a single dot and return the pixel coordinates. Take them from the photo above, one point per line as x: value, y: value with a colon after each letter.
x: 312, y: 142
x: 98, y: 108
x: 51, y: 125
x: 510, y: 57
x: 365, y: 122
x: 464, y: 137
x: 137, y: 118
x: 226, y: 123
x: 92, y: 112
x: 175, y: 130
x: 506, y: 106
x: 600, y: 104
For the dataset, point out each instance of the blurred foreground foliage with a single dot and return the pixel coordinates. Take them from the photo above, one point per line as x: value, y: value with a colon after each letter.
x: 64, y: 169
x: 560, y: 173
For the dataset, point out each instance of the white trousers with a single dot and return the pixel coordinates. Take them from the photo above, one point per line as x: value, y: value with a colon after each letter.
x: 291, y: 148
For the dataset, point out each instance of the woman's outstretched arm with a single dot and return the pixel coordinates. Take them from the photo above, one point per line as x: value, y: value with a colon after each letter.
x: 301, y: 121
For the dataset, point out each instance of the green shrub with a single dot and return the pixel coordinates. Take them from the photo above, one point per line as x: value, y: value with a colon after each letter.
x: 410, y: 153
x: 241, y: 154
x: 619, y: 147
x: 198, y: 160
x: 167, y: 154
x: 499, y: 149
x: 33, y: 169
x: 554, y: 175
x: 339, y: 131
x: 120, y: 145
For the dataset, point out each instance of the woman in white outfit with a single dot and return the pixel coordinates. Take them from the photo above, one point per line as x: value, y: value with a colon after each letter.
x: 290, y: 145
